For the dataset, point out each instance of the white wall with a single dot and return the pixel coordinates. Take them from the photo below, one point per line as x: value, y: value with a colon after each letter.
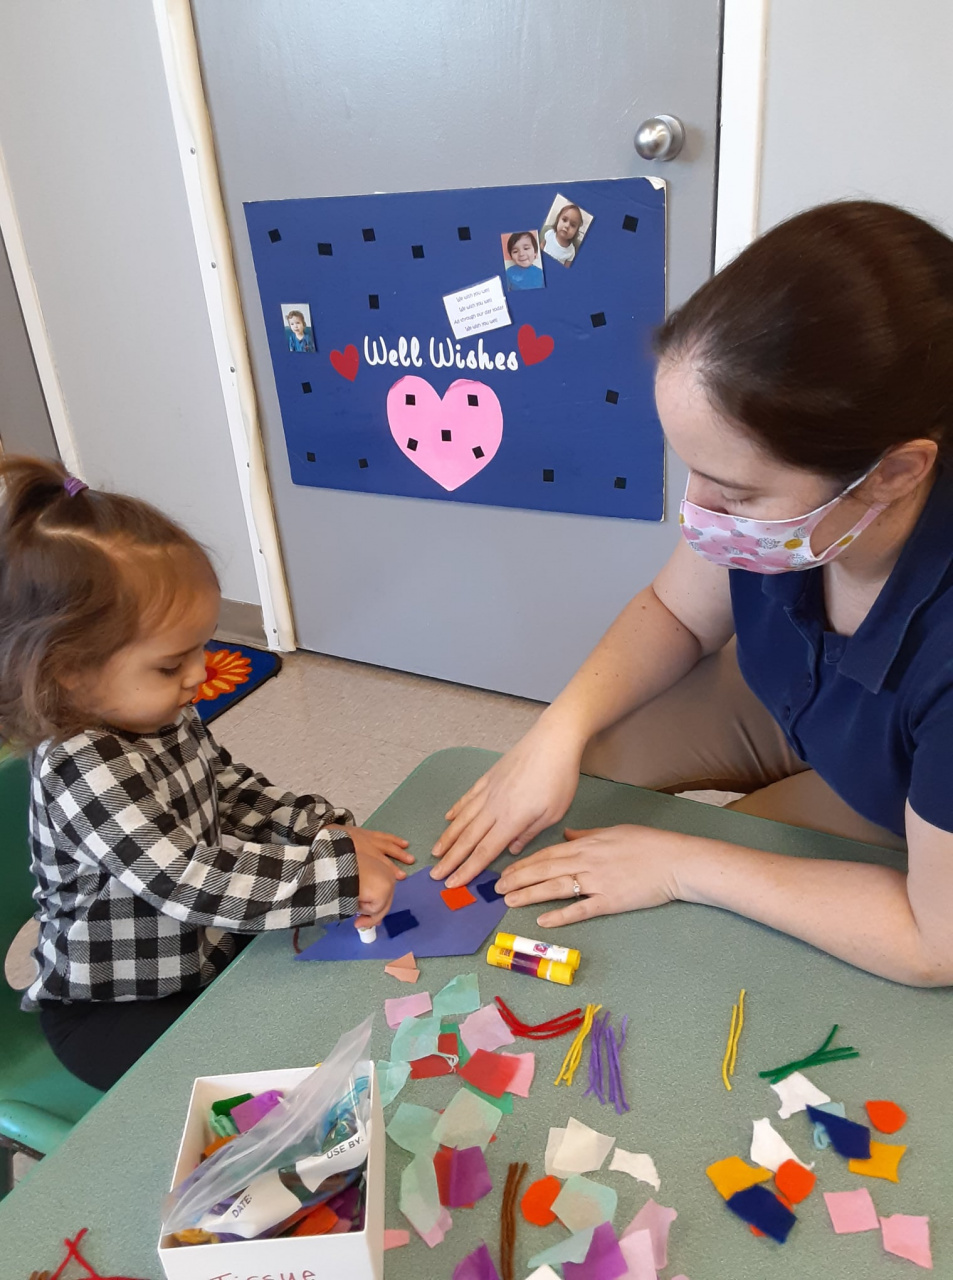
x: 858, y: 102
x: 86, y: 132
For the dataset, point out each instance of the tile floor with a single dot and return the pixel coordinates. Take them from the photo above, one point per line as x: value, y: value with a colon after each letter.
x: 353, y: 732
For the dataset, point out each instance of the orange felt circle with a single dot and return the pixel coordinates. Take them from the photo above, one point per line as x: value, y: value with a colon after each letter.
x: 885, y: 1116
x: 794, y: 1181
x: 537, y: 1201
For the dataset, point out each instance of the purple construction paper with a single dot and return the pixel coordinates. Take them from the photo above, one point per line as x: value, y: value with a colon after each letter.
x: 477, y: 1265
x: 399, y: 922
x: 441, y: 932
x: 487, y: 890
x: 604, y: 1261
x: 469, y: 1178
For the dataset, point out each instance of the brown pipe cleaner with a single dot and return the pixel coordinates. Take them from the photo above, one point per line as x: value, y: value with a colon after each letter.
x: 515, y: 1175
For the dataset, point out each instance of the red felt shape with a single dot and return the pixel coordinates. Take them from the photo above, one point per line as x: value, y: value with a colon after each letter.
x: 794, y: 1182
x: 489, y: 1072
x: 457, y: 898
x: 427, y: 1068
x: 447, y: 1043
x: 885, y: 1116
x: 537, y: 1201
x: 346, y: 362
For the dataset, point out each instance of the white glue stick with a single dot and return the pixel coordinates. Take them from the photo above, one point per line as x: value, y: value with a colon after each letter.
x: 368, y: 935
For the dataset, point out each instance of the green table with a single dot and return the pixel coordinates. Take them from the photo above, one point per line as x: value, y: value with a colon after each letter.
x: 675, y: 971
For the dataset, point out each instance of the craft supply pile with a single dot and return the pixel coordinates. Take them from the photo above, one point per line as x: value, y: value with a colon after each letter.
x: 450, y: 1169
x: 283, y: 1164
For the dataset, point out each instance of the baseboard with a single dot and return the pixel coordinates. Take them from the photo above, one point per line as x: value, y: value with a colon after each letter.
x: 241, y: 623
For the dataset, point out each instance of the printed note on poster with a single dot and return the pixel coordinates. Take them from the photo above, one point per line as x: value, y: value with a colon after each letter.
x: 477, y: 309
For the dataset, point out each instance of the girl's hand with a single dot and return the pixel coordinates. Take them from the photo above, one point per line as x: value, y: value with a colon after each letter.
x: 527, y: 790
x: 621, y: 868
x: 376, y: 892
x: 378, y: 844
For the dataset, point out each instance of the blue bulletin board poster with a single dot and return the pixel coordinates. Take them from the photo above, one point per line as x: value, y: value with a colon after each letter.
x: 489, y: 345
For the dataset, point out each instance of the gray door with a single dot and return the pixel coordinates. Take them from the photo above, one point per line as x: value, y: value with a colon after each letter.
x: 24, y: 420
x: 356, y: 96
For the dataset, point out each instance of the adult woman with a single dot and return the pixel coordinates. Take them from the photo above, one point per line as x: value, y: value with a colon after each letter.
x: 814, y: 374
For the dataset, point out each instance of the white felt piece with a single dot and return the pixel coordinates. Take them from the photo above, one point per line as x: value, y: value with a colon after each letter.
x: 797, y: 1093
x: 769, y: 1149
x: 582, y: 1149
x: 638, y: 1166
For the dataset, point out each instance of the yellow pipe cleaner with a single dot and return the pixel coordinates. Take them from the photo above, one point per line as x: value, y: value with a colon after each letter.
x: 734, y: 1034
x: 574, y: 1055
x: 741, y: 1023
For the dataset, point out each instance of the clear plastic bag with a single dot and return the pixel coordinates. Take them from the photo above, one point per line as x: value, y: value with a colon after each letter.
x: 317, y: 1132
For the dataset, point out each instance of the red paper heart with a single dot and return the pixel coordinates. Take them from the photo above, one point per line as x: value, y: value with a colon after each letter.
x: 346, y: 362
x: 533, y: 349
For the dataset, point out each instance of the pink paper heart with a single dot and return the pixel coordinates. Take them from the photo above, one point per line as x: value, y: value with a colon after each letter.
x: 452, y: 439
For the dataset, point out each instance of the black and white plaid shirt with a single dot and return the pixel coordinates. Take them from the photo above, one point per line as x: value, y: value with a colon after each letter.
x: 149, y: 849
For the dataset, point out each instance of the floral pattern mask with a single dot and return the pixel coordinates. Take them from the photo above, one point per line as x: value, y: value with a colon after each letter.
x: 766, y: 546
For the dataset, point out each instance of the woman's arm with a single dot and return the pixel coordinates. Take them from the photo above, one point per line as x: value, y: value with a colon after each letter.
x: 659, y: 636
x: 874, y: 917
x: 681, y: 617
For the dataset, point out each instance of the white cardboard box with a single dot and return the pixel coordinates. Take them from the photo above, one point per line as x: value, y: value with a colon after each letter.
x: 356, y: 1255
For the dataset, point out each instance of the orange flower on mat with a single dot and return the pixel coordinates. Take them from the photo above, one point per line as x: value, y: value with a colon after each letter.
x: 225, y: 670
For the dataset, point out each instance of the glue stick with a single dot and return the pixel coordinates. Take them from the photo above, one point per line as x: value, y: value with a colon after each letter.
x: 535, y: 966
x: 368, y: 935
x: 546, y: 950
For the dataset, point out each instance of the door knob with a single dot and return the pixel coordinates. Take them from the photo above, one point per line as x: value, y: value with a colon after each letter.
x: 660, y: 138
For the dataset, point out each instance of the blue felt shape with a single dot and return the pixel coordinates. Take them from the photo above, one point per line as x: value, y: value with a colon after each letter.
x: 440, y: 932
x: 849, y: 1139
x: 399, y: 922
x: 487, y: 890
x: 580, y: 429
x: 763, y: 1210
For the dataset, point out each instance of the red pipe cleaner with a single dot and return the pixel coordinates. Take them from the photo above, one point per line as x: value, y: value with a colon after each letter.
x: 560, y: 1026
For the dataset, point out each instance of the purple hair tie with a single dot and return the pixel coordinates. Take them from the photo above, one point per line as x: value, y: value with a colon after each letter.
x: 73, y: 486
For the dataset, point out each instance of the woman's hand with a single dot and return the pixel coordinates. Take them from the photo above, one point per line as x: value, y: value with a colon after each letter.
x: 527, y: 790
x: 380, y: 844
x: 376, y: 890
x: 617, y: 869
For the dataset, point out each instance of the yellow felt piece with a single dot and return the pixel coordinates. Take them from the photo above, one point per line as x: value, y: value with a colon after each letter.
x: 883, y: 1162
x: 732, y: 1175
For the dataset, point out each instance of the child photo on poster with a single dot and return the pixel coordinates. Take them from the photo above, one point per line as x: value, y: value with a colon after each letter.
x: 564, y: 230
x: 298, y: 331
x: 521, y: 258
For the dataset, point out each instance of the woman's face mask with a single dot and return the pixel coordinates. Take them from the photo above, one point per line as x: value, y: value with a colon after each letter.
x: 766, y: 546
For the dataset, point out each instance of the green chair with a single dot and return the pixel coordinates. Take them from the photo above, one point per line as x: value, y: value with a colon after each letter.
x: 40, y: 1101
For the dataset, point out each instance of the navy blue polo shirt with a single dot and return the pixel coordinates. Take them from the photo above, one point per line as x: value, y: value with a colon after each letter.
x: 872, y: 713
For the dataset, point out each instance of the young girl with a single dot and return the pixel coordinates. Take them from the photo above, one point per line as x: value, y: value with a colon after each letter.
x: 300, y: 337
x: 151, y: 847
x: 523, y: 273
x: 559, y: 240
x: 798, y: 645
